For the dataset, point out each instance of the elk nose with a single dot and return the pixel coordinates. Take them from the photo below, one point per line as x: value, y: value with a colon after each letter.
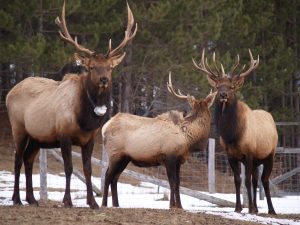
x: 223, y: 95
x: 103, y: 80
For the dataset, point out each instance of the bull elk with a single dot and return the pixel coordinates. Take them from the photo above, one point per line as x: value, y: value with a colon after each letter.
x: 163, y: 140
x: 248, y: 136
x: 45, y: 113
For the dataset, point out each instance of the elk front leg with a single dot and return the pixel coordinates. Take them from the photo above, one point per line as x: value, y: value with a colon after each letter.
x: 234, y: 164
x: 65, y: 145
x: 86, y: 153
x: 20, y: 141
x: 171, y: 172
x: 248, y: 172
x: 31, y: 151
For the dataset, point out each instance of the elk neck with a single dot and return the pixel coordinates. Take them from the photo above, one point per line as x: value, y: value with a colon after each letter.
x: 90, y: 98
x: 196, y: 128
x: 229, y: 120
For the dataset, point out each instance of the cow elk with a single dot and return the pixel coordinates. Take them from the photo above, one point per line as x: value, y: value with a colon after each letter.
x: 45, y: 113
x: 163, y: 140
x: 248, y: 136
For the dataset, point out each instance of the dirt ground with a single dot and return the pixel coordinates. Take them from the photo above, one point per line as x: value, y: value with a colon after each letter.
x: 54, y: 213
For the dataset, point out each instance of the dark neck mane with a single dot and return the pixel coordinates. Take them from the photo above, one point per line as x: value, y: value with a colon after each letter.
x: 229, y: 122
x: 87, y: 118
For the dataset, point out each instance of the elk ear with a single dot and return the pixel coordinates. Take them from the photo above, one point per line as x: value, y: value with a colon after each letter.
x: 210, y: 98
x: 212, y: 82
x: 238, y: 82
x: 117, y: 60
x: 191, y: 100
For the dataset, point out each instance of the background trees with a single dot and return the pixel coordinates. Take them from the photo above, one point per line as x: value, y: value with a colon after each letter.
x: 170, y: 33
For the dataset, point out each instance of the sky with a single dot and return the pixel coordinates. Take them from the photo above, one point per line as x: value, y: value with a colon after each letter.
x: 152, y: 195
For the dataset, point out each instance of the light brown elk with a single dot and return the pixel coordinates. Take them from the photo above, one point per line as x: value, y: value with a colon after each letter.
x: 163, y: 140
x: 45, y: 113
x: 248, y: 136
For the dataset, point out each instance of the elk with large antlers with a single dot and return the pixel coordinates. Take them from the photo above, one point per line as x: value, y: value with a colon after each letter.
x: 163, y: 140
x: 46, y: 113
x: 248, y: 136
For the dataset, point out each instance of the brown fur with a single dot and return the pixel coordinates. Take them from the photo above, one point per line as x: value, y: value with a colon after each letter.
x: 166, y: 139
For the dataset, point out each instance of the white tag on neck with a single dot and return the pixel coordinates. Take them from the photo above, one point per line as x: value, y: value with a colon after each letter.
x: 100, y: 110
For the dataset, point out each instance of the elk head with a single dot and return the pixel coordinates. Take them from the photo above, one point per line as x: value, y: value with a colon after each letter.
x: 197, y: 106
x: 98, y: 66
x: 226, y: 84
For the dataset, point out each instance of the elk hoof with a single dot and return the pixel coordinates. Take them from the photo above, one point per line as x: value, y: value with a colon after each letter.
x: 272, y: 212
x: 16, y: 201
x: 94, y: 206
x: 32, y: 201
x: 67, y: 203
x: 238, y: 209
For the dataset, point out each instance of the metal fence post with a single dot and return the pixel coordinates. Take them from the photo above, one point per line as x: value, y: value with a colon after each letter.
x: 103, y: 169
x: 211, y: 166
x: 260, y: 186
x: 43, y: 175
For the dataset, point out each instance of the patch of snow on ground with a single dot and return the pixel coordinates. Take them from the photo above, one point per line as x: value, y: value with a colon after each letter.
x: 147, y: 195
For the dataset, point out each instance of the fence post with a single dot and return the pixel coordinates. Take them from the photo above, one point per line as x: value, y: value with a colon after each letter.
x: 43, y: 174
x: 103, y: 169
x: 260, y: 186
x: 211, y: 166
x: 244, y: 189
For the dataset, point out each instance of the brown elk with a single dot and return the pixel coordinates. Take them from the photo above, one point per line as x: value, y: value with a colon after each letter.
x: 163, y: 140
x: 248, y: 136
x: 45, y: 113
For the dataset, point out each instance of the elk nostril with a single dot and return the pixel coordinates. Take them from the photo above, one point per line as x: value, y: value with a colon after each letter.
x: 103, y: 80
x: 223, y: 95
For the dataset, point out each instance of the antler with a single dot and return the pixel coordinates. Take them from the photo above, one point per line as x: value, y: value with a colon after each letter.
x: 253, y: 65
x: 128, y: 35
x: 204, y: 67
x: 64, y: 33
x: 171, y: 90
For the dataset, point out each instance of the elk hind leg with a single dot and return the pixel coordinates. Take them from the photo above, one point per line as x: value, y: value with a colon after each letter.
x: 116, y: 166
x: 268, y: 166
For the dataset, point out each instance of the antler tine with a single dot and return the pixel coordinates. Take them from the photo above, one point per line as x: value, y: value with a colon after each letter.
x: 215, y: 64
x: 128, y: 34
x: 64, y: 33
x: 236, y: 65
x: 202, y: 66
x: 253, y: 65
x: 223, y: 71
x: 171, y: 89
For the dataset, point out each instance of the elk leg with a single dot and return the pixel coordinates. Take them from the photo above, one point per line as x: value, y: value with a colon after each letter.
x: 28, y: 158
x: 254, y: 185
x: 86, y: 152
x: 115, y: 168
x: 65, y: 145
x: 177, y: 186
x: 234, y: 164
x: 171, y: 172
x: 268, y: 165
x: 20, y: 142
x: 123, y: 162
x: 248, y: 172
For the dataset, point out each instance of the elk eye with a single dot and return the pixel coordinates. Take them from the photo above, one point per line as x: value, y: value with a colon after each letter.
x: 92, y: 68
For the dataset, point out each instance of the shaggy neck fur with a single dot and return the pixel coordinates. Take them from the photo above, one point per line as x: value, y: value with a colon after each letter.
x: 196, y: 128
x: 229, y: 122
x: 87, y: 118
